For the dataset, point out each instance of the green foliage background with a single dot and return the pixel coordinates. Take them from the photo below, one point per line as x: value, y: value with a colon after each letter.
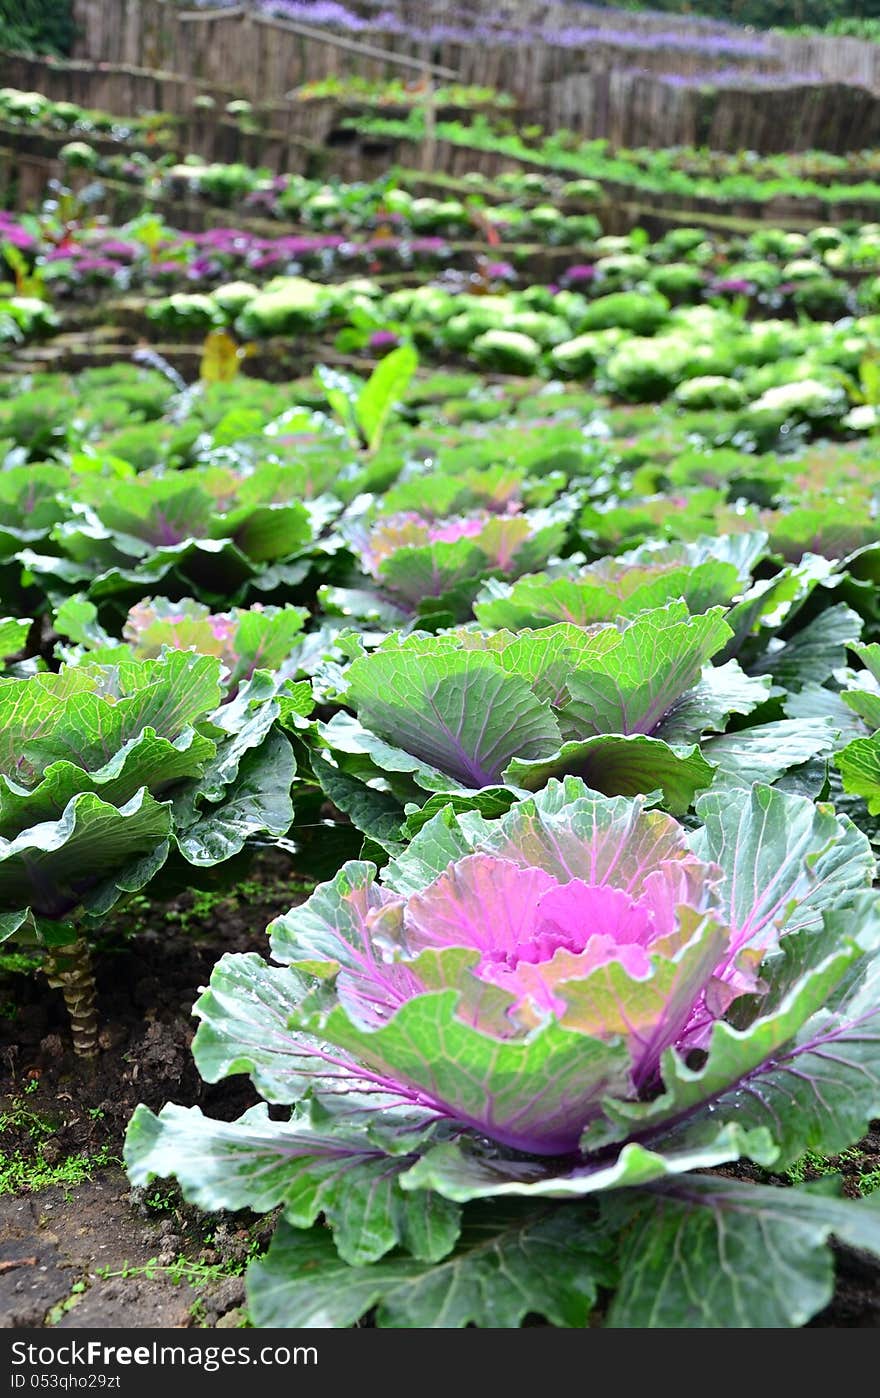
x: 37, y: 26
x: 840, y: 16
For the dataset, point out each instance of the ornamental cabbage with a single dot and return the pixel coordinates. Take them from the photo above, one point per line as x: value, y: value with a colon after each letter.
x: 648, y: 369
x: 639, y: 312
x: 560, y: 1020
x: 207, y: 532
x: 186, y: 312
x: 24, y: 316
x: 287, y: 305
x: 244, y: 639
x: 710, y: 391
x: 106, y: 770
x: 584, y: 352
x: 808, y: 398
x: 434, y: 566
x: 606, y: 590
x: 509, y: 351
x: 466, y: 710
x: 29, y: 507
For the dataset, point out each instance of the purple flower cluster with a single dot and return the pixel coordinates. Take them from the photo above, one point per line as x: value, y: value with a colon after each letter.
x: 501, y: 272
x: 214, y: 256
x: 12, y: 232
x: 732, y: 286
x: 463, y: 27
x: 77, y: 263
x: 578, y: 274
x: 737, y: 77
x: 383, y: 340
x: 122, y: 252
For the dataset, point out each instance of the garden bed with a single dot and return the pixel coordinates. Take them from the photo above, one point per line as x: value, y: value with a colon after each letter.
x: 439, y: 715
x: 82, y: 1250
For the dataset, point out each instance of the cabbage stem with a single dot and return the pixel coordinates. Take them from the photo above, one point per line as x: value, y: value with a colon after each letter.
x: 70, y: 971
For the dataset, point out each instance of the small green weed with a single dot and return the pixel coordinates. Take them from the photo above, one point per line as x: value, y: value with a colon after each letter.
x: 813, y: 1166
x: 59, y: 1311
x: 869, y: 1181
x: 204, y: 903
x: 19, y: 962
x: 203, y: 906
x: 183, y: 1270
x: 20, y: 1117
x: 163, y: 1200
x: 19, y: 1175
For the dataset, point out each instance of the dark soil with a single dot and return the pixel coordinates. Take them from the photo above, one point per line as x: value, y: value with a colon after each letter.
x: 99, y: 1257
x: 856, y: 1303
x: 78, y: 1246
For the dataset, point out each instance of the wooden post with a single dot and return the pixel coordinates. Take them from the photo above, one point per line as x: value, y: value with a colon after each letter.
x: 429, y: 147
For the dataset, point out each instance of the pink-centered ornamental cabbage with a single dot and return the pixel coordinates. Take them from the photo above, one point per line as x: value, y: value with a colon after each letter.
x: 411, y: 530
x: 244, y: 639
x: 415, y: 559
x: 513, y: 975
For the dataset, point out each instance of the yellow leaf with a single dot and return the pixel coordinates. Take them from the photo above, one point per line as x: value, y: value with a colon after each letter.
x: 220, y: 358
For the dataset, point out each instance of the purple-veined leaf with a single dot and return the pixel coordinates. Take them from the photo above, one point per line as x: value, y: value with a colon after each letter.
x: 458, y: 712
x: 632, y: 686
x: 80, y: 864
x: 812, y: 654
x: 785, y: 861
x: 615, y: 764
x: 510, y: 1261
x: 767, y: 750
x: 703, y: 1251
x: 314, y: 1164
x: 85, y: 715
x: 603, y: 592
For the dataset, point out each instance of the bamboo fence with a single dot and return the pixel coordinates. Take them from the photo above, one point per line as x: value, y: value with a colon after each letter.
x: 156, y: 55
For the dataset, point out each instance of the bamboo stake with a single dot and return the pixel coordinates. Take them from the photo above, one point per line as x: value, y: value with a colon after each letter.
x: 194, y: 16
x: 429, y: 146
x: 322, y: 36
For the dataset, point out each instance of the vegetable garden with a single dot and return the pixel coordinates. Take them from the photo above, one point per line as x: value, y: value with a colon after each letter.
x: 439, y: 637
